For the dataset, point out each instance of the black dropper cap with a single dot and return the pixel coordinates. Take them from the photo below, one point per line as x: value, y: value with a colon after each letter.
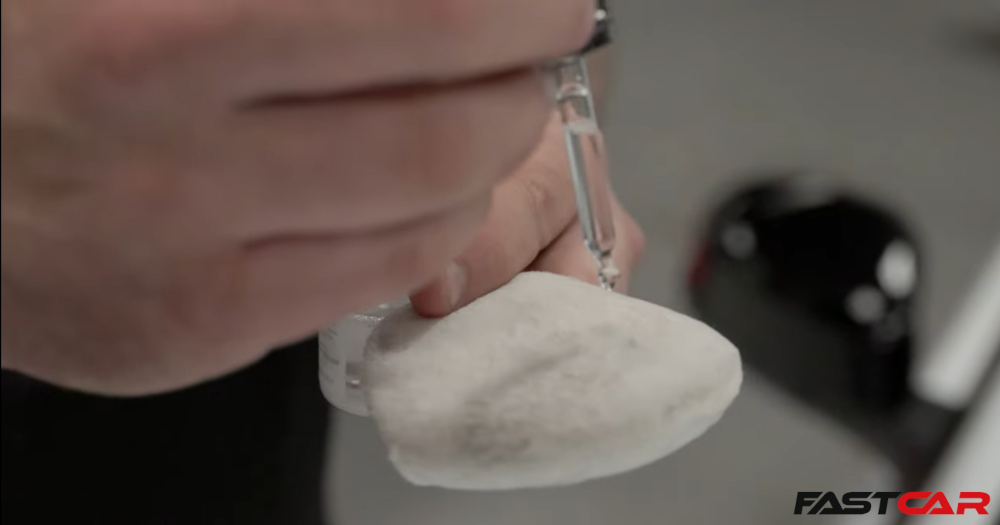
x: 602, y: 28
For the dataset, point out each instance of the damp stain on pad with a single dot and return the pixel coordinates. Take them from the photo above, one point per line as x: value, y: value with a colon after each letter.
x: 547, y: 381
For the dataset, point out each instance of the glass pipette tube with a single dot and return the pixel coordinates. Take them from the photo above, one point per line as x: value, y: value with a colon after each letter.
x: 587, y: 162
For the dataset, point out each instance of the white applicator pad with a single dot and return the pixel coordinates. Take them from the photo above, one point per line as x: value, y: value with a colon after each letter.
x: 546, y: 381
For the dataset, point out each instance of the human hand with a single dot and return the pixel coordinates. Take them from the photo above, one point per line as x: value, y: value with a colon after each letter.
x: 531, y: 226
x: 189, y: 183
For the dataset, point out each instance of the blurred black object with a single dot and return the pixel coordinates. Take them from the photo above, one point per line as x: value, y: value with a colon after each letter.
x: 247, y: 448
x: 818, y: 287
x: 602, y: 29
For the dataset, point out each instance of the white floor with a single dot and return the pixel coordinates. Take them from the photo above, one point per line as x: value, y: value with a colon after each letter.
x: 899, y: 97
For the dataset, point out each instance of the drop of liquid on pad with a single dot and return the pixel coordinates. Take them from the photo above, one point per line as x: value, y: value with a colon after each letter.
x: 546, y: 381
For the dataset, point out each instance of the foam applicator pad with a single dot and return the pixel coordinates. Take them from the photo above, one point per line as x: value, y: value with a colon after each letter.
x: 546, y: 381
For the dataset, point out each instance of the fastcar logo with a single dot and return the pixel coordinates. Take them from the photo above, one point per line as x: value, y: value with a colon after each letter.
x: 907, y: 503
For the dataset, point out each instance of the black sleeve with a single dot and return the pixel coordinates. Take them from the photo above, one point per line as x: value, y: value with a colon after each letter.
x: 244, y: 449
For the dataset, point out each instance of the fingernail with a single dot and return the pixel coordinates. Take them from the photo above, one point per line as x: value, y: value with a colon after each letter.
x: 455, y: 278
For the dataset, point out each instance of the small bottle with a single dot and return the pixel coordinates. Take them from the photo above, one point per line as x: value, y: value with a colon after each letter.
x: 341, y: 357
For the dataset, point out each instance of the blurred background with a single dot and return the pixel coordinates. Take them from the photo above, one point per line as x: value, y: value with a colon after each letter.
x: 891, y: 102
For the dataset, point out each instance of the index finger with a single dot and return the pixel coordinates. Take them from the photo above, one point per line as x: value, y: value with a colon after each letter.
x: 317, y: 46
